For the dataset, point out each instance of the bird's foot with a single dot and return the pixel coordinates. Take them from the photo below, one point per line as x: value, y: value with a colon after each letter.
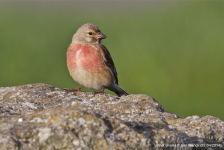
x: 100, y: 92
x: 74, y: 90
x: 94, y: 93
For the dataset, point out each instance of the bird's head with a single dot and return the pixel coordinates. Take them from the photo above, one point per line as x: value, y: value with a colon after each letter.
x: 88, y: 34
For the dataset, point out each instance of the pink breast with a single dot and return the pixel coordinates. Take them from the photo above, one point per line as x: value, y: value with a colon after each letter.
x: 87, y: 56
x: 71, y: 55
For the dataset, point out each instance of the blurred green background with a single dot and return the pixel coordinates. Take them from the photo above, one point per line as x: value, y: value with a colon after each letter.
x: 172, y: 51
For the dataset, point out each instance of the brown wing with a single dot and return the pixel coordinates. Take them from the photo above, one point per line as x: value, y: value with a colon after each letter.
x: 109, y: 61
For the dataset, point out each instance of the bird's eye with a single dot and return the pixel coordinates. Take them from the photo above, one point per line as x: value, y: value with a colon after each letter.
x: 90, y: 33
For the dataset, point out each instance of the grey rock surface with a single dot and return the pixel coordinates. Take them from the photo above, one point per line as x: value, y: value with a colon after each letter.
x: 40, y: 116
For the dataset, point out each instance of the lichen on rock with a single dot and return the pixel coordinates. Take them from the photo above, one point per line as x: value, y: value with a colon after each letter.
x: 40, y: 116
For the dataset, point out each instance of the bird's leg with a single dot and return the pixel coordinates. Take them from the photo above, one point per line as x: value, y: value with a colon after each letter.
x: 101, y: 91
x: 76, y: 89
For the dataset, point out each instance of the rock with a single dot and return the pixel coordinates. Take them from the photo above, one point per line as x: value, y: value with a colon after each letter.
x: 40, y: 116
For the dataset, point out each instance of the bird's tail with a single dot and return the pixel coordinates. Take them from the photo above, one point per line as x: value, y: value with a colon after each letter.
x: 118, y: 90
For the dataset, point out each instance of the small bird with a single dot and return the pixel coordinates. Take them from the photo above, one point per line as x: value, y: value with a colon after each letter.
x: 90, y: 63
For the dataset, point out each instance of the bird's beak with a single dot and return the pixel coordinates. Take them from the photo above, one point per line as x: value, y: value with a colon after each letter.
x: 101, y: 36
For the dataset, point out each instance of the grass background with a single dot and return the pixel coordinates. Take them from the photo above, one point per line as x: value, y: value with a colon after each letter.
x: 172, y: 51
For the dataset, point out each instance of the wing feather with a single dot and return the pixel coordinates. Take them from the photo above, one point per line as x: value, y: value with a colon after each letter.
x: 109, y: 61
